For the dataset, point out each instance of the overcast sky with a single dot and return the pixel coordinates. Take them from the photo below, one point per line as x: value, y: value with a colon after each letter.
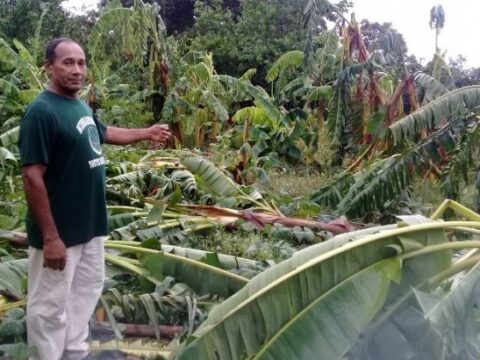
x: 411, y: 18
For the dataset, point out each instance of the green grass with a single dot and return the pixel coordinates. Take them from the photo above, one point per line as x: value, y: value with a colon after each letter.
x: 298, y: 181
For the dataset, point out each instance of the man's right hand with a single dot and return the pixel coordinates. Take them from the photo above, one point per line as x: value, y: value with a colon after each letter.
x: 54, y: 254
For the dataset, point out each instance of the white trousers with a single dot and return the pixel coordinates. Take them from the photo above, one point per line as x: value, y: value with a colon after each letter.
x: 60, y: 303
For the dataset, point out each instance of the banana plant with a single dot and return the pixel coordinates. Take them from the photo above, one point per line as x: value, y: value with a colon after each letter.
x: 25, y: 78
x: 24, y: 81
x: 329, y: 300
x: 135, y: 35
x: 453, y: 122
x: 196, y: 99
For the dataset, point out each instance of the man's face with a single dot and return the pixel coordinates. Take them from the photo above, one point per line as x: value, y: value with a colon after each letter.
x: 67, y: 72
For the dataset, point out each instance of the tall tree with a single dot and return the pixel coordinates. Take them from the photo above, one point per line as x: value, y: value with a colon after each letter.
x: 264, y: 31
x: 179, y: 16
x: 437, y: 22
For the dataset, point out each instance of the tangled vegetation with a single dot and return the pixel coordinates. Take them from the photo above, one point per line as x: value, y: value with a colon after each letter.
x: 280, y: 221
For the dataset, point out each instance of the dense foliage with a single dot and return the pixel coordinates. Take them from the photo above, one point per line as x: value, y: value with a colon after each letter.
x: 255, y: 91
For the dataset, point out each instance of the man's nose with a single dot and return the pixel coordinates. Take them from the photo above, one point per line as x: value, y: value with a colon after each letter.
x: 78, y: 69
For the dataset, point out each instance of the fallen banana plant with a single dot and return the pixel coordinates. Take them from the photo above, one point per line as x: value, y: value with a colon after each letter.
x: 226, y: 262
x: 220, y: 184
x: 337, y: 226
x: 204, y: 278
x: 322, y: 308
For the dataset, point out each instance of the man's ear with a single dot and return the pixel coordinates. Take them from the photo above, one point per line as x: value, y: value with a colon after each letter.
x: 47, y: 66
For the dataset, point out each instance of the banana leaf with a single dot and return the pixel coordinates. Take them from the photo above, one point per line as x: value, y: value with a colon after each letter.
x: 203, y: 278
x: 454, y: 104
x: 314, y: 332
x: 455, y: 317
x: 13, y: 278
x: 271, y: 301
x: 10, y: 137
x: 403, y: 324
x: 212, y: 178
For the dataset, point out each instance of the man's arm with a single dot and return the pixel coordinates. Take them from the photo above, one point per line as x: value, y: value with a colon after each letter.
x: 123, y: 136
x: 54, y: 251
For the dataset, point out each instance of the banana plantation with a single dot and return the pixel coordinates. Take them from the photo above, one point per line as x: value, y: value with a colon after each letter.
x: 317, y: 200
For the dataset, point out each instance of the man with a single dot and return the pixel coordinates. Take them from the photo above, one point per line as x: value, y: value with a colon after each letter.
x: 63, y: 173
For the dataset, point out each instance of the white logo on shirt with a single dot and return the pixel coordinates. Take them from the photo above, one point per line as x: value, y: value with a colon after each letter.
x: 87, y: 122
x: 84, y: 122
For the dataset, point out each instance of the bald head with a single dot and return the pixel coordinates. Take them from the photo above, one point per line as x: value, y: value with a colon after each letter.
x: 65, y: 66
x: 50, y: 50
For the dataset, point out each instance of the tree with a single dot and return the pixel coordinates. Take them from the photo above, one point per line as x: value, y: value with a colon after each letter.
x: 239, y: 44
x: 383, y: 38
x: 437, y: 22
x: 19, y: 19
x: 179, y: 16
x: 463, y: 75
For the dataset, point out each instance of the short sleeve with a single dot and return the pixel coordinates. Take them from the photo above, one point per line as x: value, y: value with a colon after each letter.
x: 102, y: 128
x: 37, y: 134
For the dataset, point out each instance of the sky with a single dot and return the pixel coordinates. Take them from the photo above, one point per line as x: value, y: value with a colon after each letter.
x: 410, y: 18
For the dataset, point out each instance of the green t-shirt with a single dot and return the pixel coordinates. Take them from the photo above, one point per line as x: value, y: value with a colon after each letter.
x: 64, y: 135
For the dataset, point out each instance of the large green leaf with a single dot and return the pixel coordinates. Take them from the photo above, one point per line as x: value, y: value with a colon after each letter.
x: 259, y: 95
x: 22, y: 61
x: 6, y: 156
x: 216, y: 105
x: 9, y: 89
x: 122, y: 24
x: 270, y: 302
x: 227, y: 261
x: 400, y: 323
x: 350, y: 306
x: 455, y: 317
x: 212, y: 178
x: 13, y: 278
x: 431, y: 88
x: 454, y: 104
x: 203, y: 278
x: 9, y: 137
x: 292, y: 58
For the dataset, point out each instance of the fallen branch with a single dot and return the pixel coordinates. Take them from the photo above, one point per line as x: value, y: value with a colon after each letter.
x: 137, y: 330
